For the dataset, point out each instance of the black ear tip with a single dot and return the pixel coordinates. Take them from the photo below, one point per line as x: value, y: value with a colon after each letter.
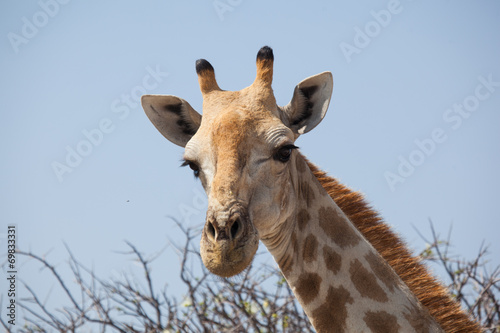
x: 265, y: 53
x: 203, y: 65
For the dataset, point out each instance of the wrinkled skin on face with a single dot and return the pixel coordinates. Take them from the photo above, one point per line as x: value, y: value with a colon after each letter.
x: 241, y: 150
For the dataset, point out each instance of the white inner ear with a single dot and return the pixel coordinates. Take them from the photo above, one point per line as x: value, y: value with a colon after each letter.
x: 309, y: 103
x: 320, y: 99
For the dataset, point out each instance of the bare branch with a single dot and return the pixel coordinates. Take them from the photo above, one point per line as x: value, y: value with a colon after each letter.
x: 258, y: 300
x: 468, y: 280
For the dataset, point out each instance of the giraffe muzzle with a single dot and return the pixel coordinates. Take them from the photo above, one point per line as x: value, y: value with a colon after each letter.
x: 229, y: 242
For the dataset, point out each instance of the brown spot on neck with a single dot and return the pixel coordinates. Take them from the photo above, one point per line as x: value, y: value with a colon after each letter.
x: 366, y: 283
x: 382, y: 270
x: 382, y: 322
x: 337, y: 228
x: 307, y: 287
x: 310, y: 250
x: 332, y: 314
x: 303, y: 218
x: 306, y: 193
x: 333, y: 260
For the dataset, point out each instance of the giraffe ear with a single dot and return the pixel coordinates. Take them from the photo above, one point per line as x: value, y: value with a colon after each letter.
x: 172, y: 116
x: 309, y: 103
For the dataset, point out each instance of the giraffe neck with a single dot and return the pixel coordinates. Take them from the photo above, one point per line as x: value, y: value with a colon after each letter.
x: 341, y: 281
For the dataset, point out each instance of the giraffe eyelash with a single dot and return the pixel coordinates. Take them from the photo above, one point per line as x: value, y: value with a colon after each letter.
x: 193, y: 166
x: 284, y: 153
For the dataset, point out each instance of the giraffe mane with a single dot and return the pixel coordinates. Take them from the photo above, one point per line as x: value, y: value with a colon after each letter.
x: 429, y: 291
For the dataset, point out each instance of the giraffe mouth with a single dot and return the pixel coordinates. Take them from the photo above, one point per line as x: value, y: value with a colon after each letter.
x: 228, y: 245
x: 228, y: 263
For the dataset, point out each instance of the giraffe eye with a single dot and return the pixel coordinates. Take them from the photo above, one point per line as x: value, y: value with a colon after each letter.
x: 193, y: 166
x: 284, y: 153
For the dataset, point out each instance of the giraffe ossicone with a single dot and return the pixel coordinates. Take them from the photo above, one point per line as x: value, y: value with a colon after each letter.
x: 349, y: 272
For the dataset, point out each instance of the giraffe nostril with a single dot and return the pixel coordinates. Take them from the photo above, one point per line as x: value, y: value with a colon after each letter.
x: 211, y: 230
x: 235, y: 228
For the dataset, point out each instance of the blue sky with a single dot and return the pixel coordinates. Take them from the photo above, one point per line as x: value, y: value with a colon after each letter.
x: 414, y: 120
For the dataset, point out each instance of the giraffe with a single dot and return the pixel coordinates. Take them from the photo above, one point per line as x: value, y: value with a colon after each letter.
x: 348, y: 270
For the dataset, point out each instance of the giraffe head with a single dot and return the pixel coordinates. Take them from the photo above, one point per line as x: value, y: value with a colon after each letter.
x: 242, y: 150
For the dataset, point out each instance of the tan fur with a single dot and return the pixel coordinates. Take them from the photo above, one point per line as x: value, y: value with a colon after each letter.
x: 264, y: 72
x: 432, y: 294
x: 207, y: 81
